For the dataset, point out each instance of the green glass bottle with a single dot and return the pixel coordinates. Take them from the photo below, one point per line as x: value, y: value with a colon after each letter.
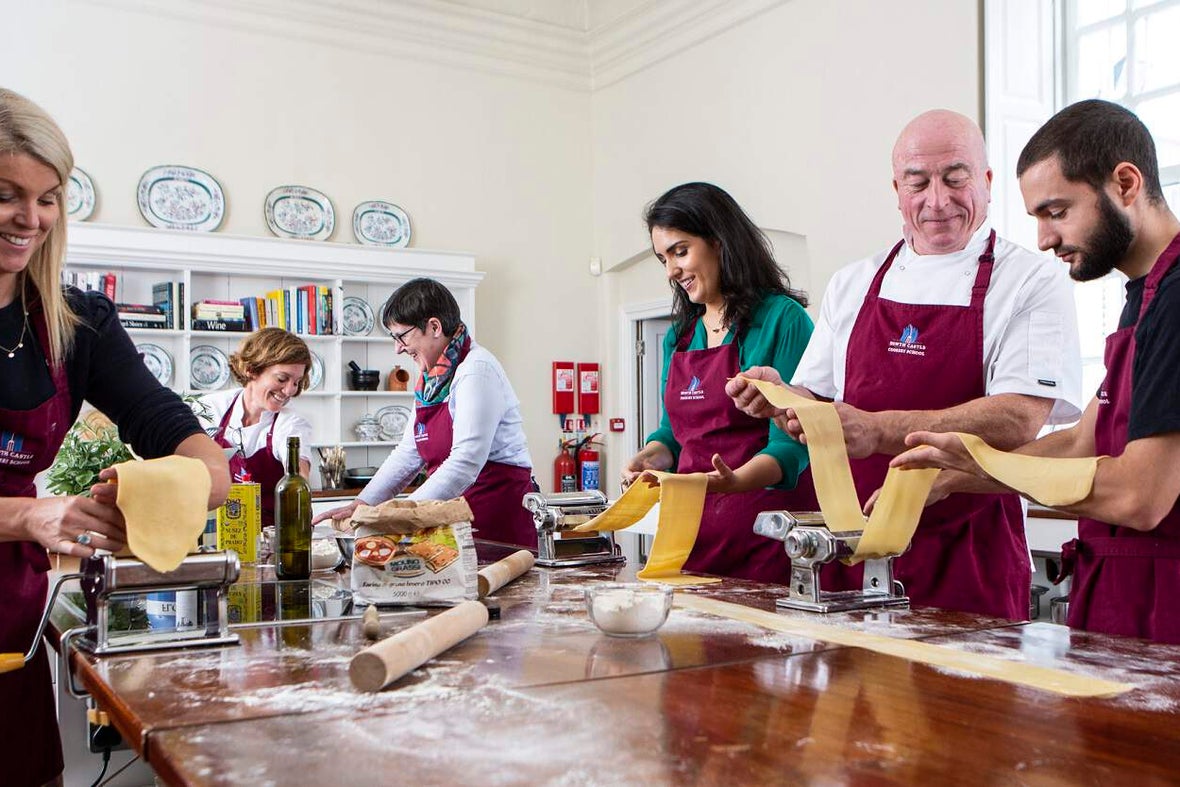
x: 293, y: 520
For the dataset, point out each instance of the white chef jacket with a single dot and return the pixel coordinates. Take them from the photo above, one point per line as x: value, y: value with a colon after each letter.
x: 486, y: 427
x: 253, y: 438
x: 1030, y: 333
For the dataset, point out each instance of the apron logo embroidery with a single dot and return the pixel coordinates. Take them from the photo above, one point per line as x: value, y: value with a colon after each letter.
x: 694, y: 391
x: 12, y: 449
x: 907, y: 343
x: 420, y: 433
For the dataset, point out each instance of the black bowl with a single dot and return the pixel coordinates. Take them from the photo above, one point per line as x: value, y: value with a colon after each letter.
x: 358, y: 476
x: 364, y: 380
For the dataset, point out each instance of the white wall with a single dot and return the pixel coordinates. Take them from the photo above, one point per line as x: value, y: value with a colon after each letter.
x: 496, y: 166
x: 794, y: 112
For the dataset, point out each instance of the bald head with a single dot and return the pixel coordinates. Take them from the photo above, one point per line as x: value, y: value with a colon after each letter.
x: 942, y: 181
x: 940, y: 128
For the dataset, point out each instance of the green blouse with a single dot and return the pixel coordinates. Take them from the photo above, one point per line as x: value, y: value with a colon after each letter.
x: 778, y: 333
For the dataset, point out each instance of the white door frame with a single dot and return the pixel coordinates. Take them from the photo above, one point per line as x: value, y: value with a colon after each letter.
x: 631, y: 315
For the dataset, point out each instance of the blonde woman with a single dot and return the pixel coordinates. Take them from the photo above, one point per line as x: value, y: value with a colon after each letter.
x: 272, y: 366
x: 58, y: 347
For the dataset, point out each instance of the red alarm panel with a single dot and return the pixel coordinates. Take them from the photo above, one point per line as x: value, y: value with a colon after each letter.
x: 563, y: 387
x: 588, y: 389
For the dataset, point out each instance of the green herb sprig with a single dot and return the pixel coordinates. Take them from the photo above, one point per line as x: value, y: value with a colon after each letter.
x: 89, y: 447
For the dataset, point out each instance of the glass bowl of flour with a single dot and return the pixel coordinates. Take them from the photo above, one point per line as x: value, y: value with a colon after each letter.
x: 630, y: 609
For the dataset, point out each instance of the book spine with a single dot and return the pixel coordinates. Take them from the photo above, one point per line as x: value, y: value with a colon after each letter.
x: 228, y: 326
x: 139, y: 308
x: 131, y: 322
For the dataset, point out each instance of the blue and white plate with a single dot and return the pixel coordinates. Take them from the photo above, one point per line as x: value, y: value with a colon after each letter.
x: 378, y: 223
x: 208, y: 368
x: 316, y: 375
x: 181, y: 198
x: 157, y: 360
x: 79, y: 195
x: 300, y: 212
x: 356, y: 317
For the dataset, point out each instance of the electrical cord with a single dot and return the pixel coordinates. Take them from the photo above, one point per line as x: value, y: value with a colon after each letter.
x: 125, y: 766
x: 106, y: 760
x: 105, y: 737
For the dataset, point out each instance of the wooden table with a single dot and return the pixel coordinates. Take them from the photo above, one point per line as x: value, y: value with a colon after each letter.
x: 540, y: 696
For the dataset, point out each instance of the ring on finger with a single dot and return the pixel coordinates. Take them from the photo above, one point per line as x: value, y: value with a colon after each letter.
x: 83, y: 538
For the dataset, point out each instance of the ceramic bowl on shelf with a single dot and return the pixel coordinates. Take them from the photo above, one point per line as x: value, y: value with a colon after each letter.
x: 634, y: 609
x: 364, y: 379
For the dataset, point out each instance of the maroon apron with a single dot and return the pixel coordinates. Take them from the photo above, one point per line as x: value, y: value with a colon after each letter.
x: 30, y: 746
x: 499, y: 489
x: 261, y: 467
x: 969, y: 551
x: 706, y: 422
x: 1125, y: 581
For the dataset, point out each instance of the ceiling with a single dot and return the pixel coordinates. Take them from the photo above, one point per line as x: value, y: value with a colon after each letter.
x: 577, y: 44
x: 581, y: 15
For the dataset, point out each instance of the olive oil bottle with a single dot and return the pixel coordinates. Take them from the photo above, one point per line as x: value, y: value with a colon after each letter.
x: 293, y: 520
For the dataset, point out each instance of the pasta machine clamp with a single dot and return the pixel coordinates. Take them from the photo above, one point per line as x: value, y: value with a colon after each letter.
x: 555, y: 514
x: 810, y: 544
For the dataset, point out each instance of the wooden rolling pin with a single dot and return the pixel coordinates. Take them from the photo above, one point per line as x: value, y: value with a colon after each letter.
x: 500, y: 573
x: 377, y: 666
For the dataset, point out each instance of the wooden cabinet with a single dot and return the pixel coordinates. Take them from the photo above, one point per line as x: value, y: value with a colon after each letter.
x: 226, y: 267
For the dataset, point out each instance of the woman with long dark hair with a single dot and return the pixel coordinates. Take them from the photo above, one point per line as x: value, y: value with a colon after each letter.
x: 733, y: 307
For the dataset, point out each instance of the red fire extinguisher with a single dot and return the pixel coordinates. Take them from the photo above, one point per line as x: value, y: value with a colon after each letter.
x: 565, y: 470
x: 589, y: 464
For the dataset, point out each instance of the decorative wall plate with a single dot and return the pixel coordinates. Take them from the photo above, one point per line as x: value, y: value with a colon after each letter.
x: 316, y: 375
x: 79, y: 195
x: 181, y: 198
x: 356, y: 317
x: 208, y: 368
x: 393, y: 420
x: 378, y: 223
x: 299, y: 212
x: 157, y: 360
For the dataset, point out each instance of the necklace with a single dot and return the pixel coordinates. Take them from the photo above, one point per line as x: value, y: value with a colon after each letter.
x: 720, y: 326
x: 20, y: 342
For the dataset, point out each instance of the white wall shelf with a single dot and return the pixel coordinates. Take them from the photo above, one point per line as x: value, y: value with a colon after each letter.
x: 214, y: 265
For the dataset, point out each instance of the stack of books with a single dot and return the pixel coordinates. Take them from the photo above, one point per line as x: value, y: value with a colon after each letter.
x: 215, y: 315
x: 169, y: 296
x: 106, y: 283
x: 142, y: 315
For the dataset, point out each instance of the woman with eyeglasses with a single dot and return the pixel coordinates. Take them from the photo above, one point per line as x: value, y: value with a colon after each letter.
x: 272, y: 366
x: 467, y: 432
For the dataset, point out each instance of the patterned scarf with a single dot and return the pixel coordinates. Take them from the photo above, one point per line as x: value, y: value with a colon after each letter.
x: 434, y: 386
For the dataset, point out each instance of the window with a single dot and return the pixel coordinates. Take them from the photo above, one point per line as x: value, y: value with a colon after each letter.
x: 1041, y: 55
x: 1123, y: 51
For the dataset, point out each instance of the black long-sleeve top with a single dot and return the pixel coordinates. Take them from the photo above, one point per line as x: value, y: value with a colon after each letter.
x: 104, y: 368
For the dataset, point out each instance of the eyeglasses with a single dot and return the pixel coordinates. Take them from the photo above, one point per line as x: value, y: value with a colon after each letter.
x: 400, y: 338
x: 236, y: 439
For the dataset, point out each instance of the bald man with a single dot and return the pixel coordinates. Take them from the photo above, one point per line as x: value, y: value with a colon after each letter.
x: 952, y: 327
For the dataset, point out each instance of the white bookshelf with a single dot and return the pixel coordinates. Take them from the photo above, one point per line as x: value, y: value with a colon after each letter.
x: 227, y: 267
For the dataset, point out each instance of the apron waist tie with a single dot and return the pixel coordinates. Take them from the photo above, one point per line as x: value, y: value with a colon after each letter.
x: 1111, y: 546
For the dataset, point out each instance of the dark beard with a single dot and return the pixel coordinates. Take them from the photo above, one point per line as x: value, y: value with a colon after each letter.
x: 1107, y: 244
